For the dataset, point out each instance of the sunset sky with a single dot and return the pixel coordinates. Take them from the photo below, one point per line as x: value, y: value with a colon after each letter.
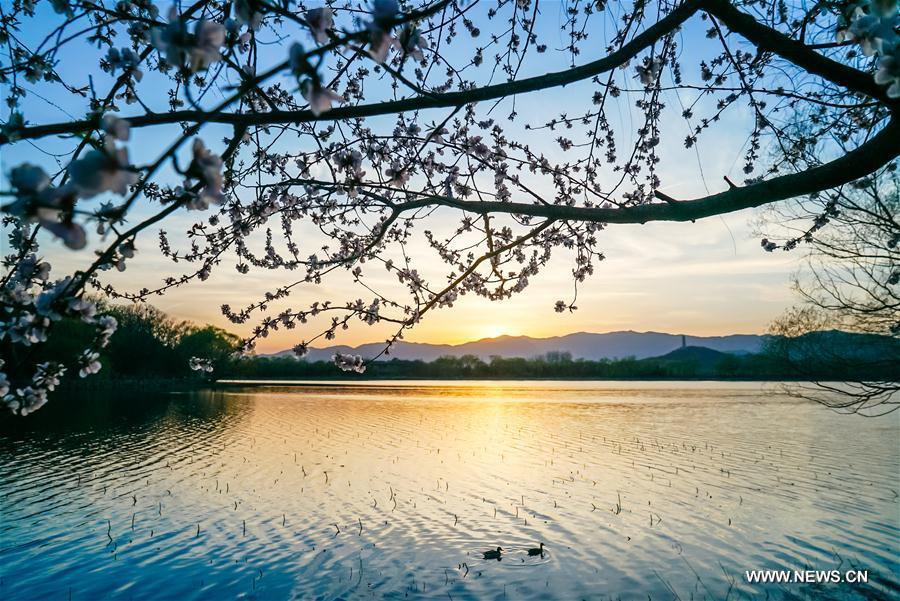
x: 711, y: 277
x: 707, y: 278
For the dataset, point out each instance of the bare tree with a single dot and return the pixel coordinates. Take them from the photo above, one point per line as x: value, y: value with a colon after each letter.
x: 850, y: 282
x: 354, y: 130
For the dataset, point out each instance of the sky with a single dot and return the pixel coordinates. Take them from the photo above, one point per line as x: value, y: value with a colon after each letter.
x: 705, y: 278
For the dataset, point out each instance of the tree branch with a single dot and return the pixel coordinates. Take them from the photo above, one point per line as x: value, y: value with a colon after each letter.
x: 451, y: 99
x: 770, y: 40
x: 880, y: 150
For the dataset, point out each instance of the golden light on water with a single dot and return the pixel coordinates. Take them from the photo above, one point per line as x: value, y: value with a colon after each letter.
x: 375, y: 490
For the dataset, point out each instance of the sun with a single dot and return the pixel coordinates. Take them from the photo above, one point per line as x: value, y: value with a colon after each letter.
x: 495, y: 331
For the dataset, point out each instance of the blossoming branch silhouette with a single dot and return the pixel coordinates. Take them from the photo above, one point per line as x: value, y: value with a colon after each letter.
x: 363, y: 121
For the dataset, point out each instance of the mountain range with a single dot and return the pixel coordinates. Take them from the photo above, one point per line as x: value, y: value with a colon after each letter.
x: 581, y: 345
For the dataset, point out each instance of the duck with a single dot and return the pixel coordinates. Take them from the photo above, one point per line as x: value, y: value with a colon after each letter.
x: 494, y: 554
x: 536, y: 551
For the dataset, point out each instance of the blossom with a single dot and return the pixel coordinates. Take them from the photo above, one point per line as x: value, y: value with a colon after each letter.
x: 28, y: 329
x: 35, y: 196
x: 38, y: 200
x: 105, y: 170
x: 298, y: 63
x: 84, y: 309
x: 411, y: 42
x: 246, y: 13
x: 4, y: 382
x: 48, y: 375
x: 46, y: 299
x: 380, y: 43
x: 301, y: 350
x: 62, y: 7
x: 42, y: 271
x: 207, y: 168
x: 18, y: 293
x: 199, y: 49
x: 873, y: 33
x: 126, y: 60
x: 203, y: 365
x: 397, y: 174
x: 29, y: 179
x: 115, y: 127
x: 872, y: 24
x: 128, y: 249
x: 30, y: 269
x: 888, y: 73
x: 349, y: 362
x: 320, y: 20
x: 71, y: 233
x: 319, y: 98
x: 89, y: 363
x: 649, y: 71
x: 26, y: 400
x: 106, y: 326
x: 384, y: 13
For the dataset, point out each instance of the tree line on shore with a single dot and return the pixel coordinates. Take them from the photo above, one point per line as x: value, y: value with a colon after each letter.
x: 150, y: 345
x: 688, y: 365
x: 147, y: 344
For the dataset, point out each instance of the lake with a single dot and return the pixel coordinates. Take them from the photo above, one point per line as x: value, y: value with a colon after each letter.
x: 661, y: 490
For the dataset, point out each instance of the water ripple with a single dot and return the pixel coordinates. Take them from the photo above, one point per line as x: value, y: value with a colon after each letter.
x: 394, y: 490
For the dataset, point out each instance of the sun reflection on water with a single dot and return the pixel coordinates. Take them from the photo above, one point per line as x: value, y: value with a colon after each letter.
x: 396, y: 489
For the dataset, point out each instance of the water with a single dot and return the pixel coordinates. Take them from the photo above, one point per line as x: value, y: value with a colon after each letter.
x: 391, y: 490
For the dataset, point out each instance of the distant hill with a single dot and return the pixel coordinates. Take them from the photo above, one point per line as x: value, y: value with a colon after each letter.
x: 826, y: 355
x: 698, y: 361
x: 581, y: 345
x: 698, y: 354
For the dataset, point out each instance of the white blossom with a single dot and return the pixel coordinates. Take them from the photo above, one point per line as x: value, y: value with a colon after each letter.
x: 298, y: 62
x: 179, y: 46
x: 83, y: 309
x: 72, y: 234
x: 888, y: 73
x: 62, y: 7
x: 207, y: 168
x: 397, y: 174
x: 649, y: 71
x: 106, y: 327
x: 4, y: 381
x: 349, y: 362
x: 106, y: 170
x: 126, y: 60
x: 38, y: 200
x: 88, y: 363
x: 48, y: 375
x: 115, y: 127
x: 202, y: 365
x: 127, y: 249
x: 46, y: 299
x: 384, y: 13
x: 27, y: 330
x: 29, y: 179
x: 26, y: 400
x: 318, y: 97
x: 320, y: 21
x: 245, y: 13
x: 412, y: 42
